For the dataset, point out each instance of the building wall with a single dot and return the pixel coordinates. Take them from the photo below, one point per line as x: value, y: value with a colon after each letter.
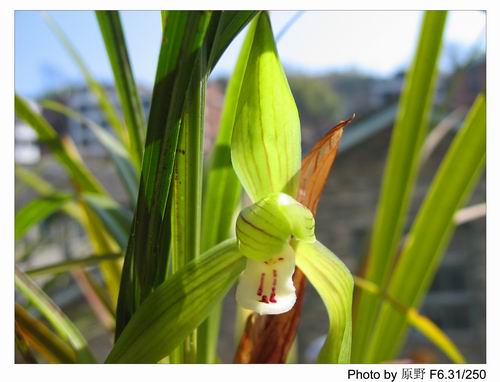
x: 344, y: 219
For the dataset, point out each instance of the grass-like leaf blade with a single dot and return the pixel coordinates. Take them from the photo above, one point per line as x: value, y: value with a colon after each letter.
x: 68, y: 265
x: 37, y: 210
x: 230, y: 23
x: 420, y: 322
x: 222, y: 187
x: 118, y: 153
x: 102, y: 97
x: 432, y: 230
x: 400, y: 172
x: 178, y: 306
x: 148, y: 246
x: 61, y: 323
x: 115, y: 218
x: 63, y: 149
x: 133, y: 112
x: 42, y: 339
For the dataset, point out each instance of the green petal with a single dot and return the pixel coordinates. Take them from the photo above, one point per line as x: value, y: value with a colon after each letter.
x: 334, y: 283
x: 265, y: 147
x: 264, y: 229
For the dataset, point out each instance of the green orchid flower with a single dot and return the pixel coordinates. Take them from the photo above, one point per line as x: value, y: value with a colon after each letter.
x: 276, y: 231
x: 264, y: 231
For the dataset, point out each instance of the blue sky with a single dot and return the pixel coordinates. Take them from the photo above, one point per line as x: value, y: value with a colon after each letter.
x: 373, y: 42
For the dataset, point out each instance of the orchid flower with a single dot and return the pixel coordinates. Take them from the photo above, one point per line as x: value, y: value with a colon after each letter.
x: 264, y: 231
x: 276, y: 230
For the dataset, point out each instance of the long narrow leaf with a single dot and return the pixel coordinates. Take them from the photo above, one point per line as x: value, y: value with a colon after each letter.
x: 400, y: 171
x: 37, y: 210
x: 229, y: 25
x: 147, y: 251
x: 100, y: 238
x: 42, y: 339
x: 103, y: 242
x: 222, y: 193
x: 431, y: 231
x: 178, y: 306
x: 100, y: 93
x: 116, y: 219
x: 96, y: 300
x: 61, y: 323
x: 223, y: 188
x: 68, y: 265
x: 33, y: 180
x: 63, y: 149
x: 118, y: 153
x: 22, y: 346
x: 187, y: 183
x: 37, y: 336
x: 114, y: 39
x: 420, y: 322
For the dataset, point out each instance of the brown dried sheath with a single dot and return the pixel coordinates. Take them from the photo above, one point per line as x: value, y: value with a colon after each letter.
x: 267, y: 339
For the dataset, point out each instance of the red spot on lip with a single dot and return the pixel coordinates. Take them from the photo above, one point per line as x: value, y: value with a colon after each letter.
x: 273, y: 295
x: 261, y: 284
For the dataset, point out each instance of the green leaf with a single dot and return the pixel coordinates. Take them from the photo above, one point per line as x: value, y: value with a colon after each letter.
x: 41, y: 338
x: 119, y: 155
x: 420, y: 322
x: 163, y: 15
x: 61, y: 323
x: 147, y: 251
x: 22, y: 346
x: 103, y: 243
x: 265, y: 146
x: 178, y: 306
x: 222, y: 188
x: 187, y: 184
x: 96, y: 232
x: 114, y: 39
x: 187, y: 180
x: 435, y: 334
x: 63, y: 148
x: 431, y: 231
x: 68, y: 265
x: 229, y: 25
x: 100, y: 93
x: 334, y: 283
x: 37, y: 210
x: 34, y: 181
x: 115, y: 218
x: 400, y: 172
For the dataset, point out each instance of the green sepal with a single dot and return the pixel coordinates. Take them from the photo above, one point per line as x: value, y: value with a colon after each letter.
x: 265, y: 146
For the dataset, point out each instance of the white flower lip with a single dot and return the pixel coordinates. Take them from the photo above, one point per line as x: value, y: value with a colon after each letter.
x: 266, y: 287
